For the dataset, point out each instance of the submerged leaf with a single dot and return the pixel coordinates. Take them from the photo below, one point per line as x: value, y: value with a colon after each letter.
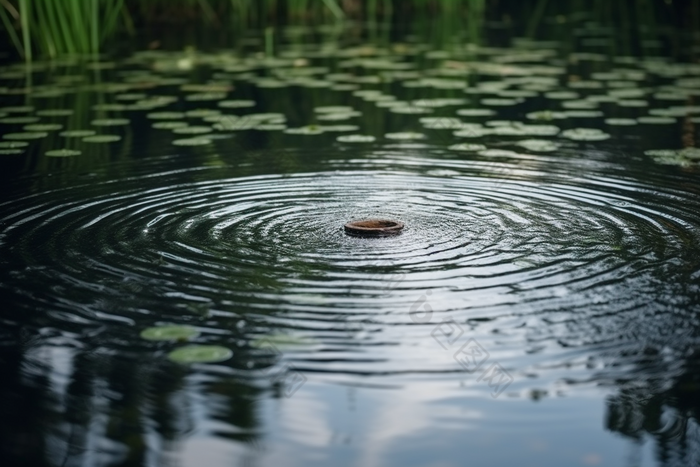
x: 169, y: 333
x: 200, y: 354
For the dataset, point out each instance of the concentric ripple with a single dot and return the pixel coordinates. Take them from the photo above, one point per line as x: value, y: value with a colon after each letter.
x: 556, y: 265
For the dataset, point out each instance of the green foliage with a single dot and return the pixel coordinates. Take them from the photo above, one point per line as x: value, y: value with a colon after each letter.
x: 60, y: 27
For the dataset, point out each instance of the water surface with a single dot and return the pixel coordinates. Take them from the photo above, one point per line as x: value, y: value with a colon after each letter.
x: 539, y: 308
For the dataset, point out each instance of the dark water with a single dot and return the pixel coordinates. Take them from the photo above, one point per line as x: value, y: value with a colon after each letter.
x: 540, y: 307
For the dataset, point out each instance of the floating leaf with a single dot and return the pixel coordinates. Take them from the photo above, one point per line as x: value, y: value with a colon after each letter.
x: 63, y: 153
x: 13, y: 144
x: 169, y: 333
x: 200, y: 354
x: 43, y: 127
x: 110, y: 122
x: 407, y: 135
x: 356, y: 138
x: 305, y: 130
x: 191, y: 142
x: 55, y: 113
x: 192, y: 130
x: 166, y: 115
x: 169, y: 125
x: 621, y: 121
x: 201, y: 113
x: 18, y: 109
x: 25, y: 135
x: 476, y: 112
x: 585, y: 134
x: 338, y: 127
x: 539, y: 145
x: 656, y: 120
x: 77, y: 133
x: 279, y: 341
x: 236, y: 104
x: 18, y: 120
x: 102, y: 139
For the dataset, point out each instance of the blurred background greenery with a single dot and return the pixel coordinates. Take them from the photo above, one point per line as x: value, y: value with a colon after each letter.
x: 52, y: 28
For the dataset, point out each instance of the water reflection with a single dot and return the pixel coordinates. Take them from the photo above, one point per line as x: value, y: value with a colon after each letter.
x: 550, y: 237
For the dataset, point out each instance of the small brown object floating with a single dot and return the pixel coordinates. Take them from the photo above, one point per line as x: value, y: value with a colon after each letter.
x: 374, y: 227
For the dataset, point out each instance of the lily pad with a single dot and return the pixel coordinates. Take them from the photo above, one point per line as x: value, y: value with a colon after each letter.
x: 169, y: 125
x: 406, y: 135
x: 476, y: 112
x: 102, y: 139
x: 166, y: 115
x: 19, y: 120
x: 110, y: 122
x: 356, y: 138
x: 192, y: 130
x: 538, y: 145
x: 26, y: 135
x: 191, y: 142
x: 280, y: 341
x: 652, y: 120
x: 585, y: 134
x: 305, y: 130
x: 236, y: 104
x: 621, y: 121
x: 63, y: 153
x: 43, y: 127
x: 55, y: 112
x: 13, y: 144
x: 77, y: 133
x: 200, y: 354
x: 169, y: 333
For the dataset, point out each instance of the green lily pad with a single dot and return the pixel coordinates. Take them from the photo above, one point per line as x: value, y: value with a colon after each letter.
x: 166, y: 115
x: 476, y: 112
x: 236, y: 104
x: 18, y: 109
x: 585, y: 134
x: 169, y: 125
x: 77, y: 133
x: 11, y: 151
x: 63, y: 153
x: 539, y: 145
x: 55, y: 113
x: 621, y: 121
x: 281, y: 341
x: 110, y: 122
x: 356, y: 138
x: 200, y: 354
x: 25, y: 135
x: 102, y: 139
x: 652, y: 120
x: 406, y: 135
x: 192, y: 130
x: 192, y: 142
x: 305, y: 130
x: 169, y: 333
x: 18, y: 120
x: 13, y: 144
x: 43, y: 127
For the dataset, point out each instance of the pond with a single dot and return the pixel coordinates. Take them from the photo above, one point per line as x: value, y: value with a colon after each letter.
x: 177, y: 286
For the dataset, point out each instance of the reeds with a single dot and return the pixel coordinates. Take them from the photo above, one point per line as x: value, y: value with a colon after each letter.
x: 52, y: 28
